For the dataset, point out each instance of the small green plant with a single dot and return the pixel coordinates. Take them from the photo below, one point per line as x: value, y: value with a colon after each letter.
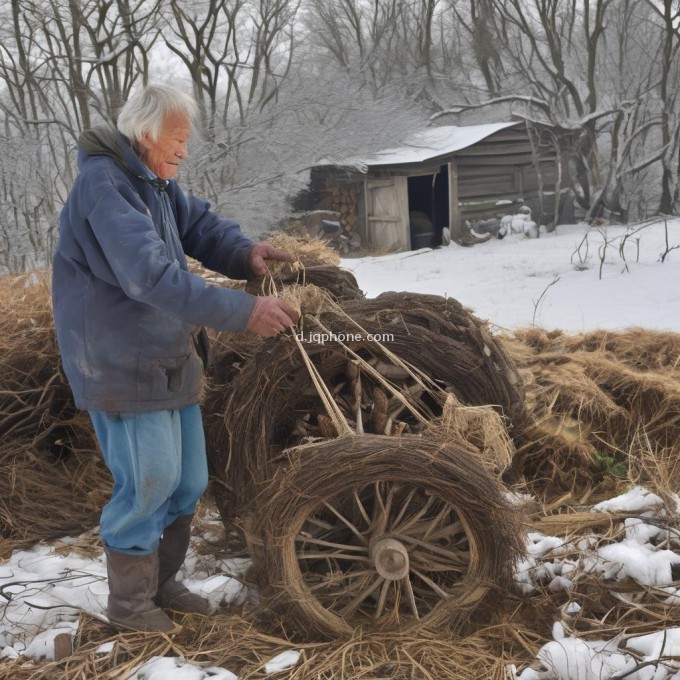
x: 611, y: 466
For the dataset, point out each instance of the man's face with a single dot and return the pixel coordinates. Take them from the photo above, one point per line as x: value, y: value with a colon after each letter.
x: 163, y: 155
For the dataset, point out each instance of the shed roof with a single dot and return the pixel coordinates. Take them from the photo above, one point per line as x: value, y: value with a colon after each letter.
x: 426, y: 145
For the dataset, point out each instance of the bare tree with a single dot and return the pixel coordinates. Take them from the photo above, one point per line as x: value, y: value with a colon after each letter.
x: 668, y: 12
x: 237, y: 53
x: 593, y: 68
x: 62, y: 66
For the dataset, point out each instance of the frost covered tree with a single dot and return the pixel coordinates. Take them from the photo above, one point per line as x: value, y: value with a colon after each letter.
x: 62, y: 66
x: 283, y: 83
x: 603, y: 73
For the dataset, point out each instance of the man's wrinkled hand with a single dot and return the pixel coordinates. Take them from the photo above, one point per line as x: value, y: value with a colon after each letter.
x: 270, y: 316
x: 265, y: 251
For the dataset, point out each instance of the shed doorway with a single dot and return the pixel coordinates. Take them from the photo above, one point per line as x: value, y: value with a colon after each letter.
x: 428, y: 206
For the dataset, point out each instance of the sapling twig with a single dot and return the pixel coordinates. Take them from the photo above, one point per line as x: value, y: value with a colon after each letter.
x: 663, y: 255
x: 540, y: 297
x: 582, y: 258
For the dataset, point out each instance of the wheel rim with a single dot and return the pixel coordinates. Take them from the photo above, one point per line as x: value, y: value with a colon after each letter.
x: 383, y: 553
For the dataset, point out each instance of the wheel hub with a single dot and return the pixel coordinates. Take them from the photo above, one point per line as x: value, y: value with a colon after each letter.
x: 390, y: 558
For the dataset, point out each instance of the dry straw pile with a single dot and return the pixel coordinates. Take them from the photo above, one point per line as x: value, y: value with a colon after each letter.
x: 598, y: 403
x: 345, y: 464
x: 53, y: 482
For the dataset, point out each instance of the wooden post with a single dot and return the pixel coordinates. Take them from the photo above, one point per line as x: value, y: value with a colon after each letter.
x: 63, y: 646
x: 367, y: 214
x: 454, y: 218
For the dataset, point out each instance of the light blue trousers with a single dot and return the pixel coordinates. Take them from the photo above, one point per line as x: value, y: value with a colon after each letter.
x: 159, y: 468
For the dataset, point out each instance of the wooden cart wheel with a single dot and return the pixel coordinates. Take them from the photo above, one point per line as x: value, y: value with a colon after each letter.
x: 383, y: 536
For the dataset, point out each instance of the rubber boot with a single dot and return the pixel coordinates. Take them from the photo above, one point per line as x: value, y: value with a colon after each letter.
x: 133, y: 582
x: 172, y: 550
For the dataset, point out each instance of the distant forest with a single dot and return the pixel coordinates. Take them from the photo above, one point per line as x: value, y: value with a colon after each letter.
x: 283, y: 83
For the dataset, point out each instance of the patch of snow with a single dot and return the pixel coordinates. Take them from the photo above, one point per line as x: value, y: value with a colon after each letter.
x: 634, y: 500
x: 643, y: 563
x: 177, y: 668
x: 282, y: 661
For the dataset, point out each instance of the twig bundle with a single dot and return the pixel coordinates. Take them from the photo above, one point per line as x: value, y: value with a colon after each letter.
x: 340, y: 283
x: 315, y: 264
x: 394, y: 387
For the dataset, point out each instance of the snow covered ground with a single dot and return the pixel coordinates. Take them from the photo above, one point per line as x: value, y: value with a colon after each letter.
x: 503, y: 280
x: 576, y: 279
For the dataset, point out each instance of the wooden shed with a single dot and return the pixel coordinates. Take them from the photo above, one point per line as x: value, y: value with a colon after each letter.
x: 403, y: 197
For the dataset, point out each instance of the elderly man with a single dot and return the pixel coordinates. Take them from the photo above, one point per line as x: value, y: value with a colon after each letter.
x: 128, y: 315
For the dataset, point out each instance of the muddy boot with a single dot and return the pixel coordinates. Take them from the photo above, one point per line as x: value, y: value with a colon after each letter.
x: 171, y: 553
x: 133, y: 581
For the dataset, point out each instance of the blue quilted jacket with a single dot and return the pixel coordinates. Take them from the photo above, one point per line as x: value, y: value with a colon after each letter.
x: 126, y: 309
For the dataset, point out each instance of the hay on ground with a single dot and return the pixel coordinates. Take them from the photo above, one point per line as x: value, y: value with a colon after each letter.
x: 239, y: 645
x: 591, y: 413
x: 53, y: 480
x: 596, y: 403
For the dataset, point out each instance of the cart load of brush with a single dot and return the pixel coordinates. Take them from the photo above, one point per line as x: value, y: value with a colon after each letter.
x: 360, y: 458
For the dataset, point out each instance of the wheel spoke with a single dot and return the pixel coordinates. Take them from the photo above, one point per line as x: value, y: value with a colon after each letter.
x: 381, y: 509
x: 320, y: 523
x: 330, y: 544
x: 337, y: 579
x: 381, y: 600
x: 347, y: 523
x: 454, y: 529
x: 410, y: 596
x: 354, y: 604
x: 362, y: 509
x: 413, y: 519
x: 402, y: 510
x: 455, y: 557
x: 437, y: 519
x: 440, y: 591
x: 336, y: 556
x: 390, y: 498
x: 428, y: 564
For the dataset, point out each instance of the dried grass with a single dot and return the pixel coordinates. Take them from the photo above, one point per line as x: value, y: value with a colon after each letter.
x: 308, y: 251
x: 315, y: 264
x: 340, y: 283
x: 235, y: 643
x: 592, y: 399
x: 480, y: 426
x: 53, y: 481
x: 43, y: 497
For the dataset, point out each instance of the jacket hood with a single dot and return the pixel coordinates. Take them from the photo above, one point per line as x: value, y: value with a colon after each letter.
x: 105, y: 140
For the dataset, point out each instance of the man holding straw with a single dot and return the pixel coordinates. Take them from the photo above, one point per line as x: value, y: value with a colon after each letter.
x: 128, y: 315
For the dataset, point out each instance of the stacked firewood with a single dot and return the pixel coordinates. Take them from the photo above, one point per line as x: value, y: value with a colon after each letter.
x: 345, y: 200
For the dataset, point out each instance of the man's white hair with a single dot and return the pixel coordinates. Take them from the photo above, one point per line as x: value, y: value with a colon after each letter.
x: 145, y: 112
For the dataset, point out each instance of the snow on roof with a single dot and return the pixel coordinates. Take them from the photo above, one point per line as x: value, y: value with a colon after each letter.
x: 426, y: 145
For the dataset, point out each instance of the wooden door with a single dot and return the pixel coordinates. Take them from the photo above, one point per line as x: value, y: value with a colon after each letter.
x: 387, y: 214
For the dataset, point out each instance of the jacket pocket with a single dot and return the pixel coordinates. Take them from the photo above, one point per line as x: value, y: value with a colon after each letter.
x: 168, y: 376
